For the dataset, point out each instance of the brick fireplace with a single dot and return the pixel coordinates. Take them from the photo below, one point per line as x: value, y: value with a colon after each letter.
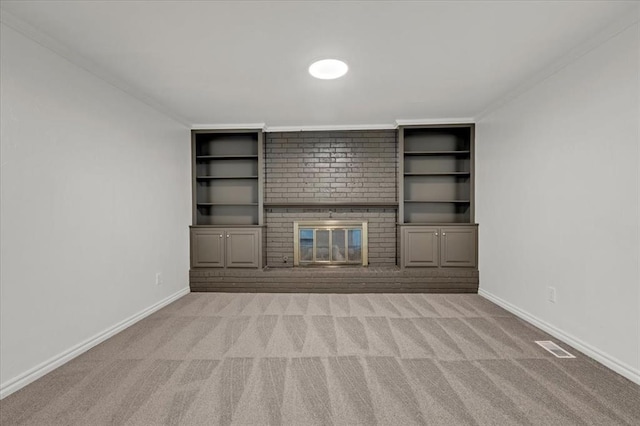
x: 336, y: 175
x: 318, y: 176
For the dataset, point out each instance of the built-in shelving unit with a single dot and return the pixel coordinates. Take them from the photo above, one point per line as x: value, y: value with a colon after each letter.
x: 227, y: 199
x: 227, y: 178
x: 435, y: 195
x: 436, y: 181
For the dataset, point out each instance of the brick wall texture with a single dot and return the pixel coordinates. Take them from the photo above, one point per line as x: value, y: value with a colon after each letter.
x: 331, y: 167
x: 348, y: 166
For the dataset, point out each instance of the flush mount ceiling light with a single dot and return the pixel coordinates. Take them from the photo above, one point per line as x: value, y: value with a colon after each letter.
x: 328, y: 69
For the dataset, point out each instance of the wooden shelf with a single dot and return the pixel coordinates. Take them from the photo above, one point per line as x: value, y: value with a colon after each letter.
x: 437, y: 152
x: 225, y: 177
x: 227, y: 204
x: 224, y: 157
x: 439, y: 174
x: 438, y: 201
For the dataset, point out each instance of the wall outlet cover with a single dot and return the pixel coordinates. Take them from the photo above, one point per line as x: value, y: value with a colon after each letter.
x: 552, y: 294
x: 158, y: 278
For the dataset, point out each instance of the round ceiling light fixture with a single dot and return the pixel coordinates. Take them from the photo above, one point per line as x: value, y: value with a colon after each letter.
x: 328, y: 69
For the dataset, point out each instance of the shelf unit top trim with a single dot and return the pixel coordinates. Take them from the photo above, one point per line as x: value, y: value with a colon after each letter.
x: 398, y: 123
x: 436, y: 126
x: 221, y: 128
x: 437, y: 122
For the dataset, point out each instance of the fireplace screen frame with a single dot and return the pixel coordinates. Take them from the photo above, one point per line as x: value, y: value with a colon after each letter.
x: 330, y: 225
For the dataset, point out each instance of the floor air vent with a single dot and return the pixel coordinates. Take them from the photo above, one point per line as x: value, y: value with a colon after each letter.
x: 556, y: 350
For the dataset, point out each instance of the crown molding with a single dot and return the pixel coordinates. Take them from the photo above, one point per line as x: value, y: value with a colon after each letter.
x: 91, y: 67
x: 329, y: 127
x: 251, y: 126
x: 618, y: 26
x: 431, y: 121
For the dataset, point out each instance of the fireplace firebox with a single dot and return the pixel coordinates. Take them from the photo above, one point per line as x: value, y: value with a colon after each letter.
x: 330, y: 243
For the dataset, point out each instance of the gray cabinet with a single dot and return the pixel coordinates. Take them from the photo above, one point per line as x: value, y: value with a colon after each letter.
x: 439, y: 246
x: 226, y: 247
x: 242, y: 248
x: 458, y: 246
x: 207, y: 247
x: 420, y: 246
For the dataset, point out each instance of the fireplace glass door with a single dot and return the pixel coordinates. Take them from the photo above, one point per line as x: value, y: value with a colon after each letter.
x: 330, y: 245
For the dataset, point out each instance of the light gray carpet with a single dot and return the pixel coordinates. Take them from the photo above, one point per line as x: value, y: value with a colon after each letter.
x: 327, y: 359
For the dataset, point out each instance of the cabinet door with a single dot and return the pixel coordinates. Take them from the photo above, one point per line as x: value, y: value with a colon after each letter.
x: 419, y: 246
x: 243, y: 248
x: 207, y: 248
x: 458, y: 247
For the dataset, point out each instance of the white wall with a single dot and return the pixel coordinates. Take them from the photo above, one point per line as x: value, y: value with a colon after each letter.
x: 557, y: 203
x: 95, y: 201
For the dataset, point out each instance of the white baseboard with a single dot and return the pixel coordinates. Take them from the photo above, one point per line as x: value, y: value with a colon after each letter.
x: 17, y: 383
x: 603, y: 358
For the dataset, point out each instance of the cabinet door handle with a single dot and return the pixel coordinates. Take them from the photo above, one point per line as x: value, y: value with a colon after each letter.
x: 436, y: 234
x: 220, y: 235
x: 228, y: 236
x: 444, y: 233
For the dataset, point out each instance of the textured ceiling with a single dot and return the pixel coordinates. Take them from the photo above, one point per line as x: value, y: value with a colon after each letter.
x: 246, y: 62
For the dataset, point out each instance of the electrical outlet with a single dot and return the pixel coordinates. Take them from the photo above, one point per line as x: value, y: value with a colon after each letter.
x: 158, y: 278
x: 552, y: 294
